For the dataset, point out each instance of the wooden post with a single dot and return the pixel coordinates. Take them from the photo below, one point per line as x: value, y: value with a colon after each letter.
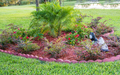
x: 37, y: 5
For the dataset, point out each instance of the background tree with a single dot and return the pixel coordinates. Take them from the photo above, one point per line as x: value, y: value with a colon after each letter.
x: 37, y: 5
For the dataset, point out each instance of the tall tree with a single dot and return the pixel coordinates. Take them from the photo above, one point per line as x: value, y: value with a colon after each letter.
x: 37, y: 5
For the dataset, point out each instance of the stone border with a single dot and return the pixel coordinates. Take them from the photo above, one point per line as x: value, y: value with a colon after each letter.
x: 111, y: 59
x: 114, y: 58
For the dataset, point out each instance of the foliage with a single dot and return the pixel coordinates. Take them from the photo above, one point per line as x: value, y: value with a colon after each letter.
x: 99, y: 27
x: 27, y: 46
x: 35, y: 33
x: 114, y: 41
x: 95, y: 22
x: 102, y: 29
x: 6, y: 35
x: 24, y: 2
x: 13, y: 34
x: 89, y: 50
x: 80, y: 32
x: 52, y: 17
x: 55, y: 48
x: 72, y: 38
x: 2, y: 4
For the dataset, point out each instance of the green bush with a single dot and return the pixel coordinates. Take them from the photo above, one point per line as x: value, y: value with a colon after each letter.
x: 89, y: 50
x: 27, y: 46
x: 2, y: 4
x: 72, y: 38
x: 98, y: 27
x: 55, y: 48
x: 36, y: 33
x: 51, y: 17
x: 24, y: 2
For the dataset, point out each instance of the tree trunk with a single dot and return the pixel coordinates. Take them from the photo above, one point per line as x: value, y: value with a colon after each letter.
x: 45, y: 1
x: 37, y: 5
x: 60, y: 2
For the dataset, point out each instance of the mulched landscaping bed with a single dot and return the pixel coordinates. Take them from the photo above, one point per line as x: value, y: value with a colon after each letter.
x: 69, y: 53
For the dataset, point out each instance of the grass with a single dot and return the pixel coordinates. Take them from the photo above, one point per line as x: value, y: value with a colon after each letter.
x: 13, y: 65
x: 112, y: 15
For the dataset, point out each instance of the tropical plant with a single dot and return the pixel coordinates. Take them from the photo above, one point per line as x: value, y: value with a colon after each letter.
x: 51, y: 18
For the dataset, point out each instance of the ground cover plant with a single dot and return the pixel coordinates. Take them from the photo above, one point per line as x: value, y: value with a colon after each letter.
x: 84, y: 69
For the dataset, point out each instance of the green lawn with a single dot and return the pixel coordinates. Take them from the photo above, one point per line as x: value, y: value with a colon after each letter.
x: 13, y: 65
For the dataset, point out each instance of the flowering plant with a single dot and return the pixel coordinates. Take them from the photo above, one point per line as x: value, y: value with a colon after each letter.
x: 20, y: 33
x: 82, y: 30
x: 72, y: 38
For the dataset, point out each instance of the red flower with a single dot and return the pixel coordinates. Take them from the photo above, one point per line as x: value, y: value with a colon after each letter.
x: 27, y: 37
x: 64, y: 34
x: 70, y: 33
x: 20, y: 37
x: 68, y: 38
x: 77, y: 35
x: 14, y: 32
x: 85, y: 26
x: 18, y: 28
x: 76, y: 39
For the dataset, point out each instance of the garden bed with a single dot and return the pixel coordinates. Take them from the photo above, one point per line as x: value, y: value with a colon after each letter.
x: 68, y: 53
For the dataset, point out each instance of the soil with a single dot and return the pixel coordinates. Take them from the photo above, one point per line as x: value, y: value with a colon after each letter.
x: 69, y: 53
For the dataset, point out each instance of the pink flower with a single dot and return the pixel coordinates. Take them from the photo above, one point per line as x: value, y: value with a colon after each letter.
x: 20, y: 37
x: 14, y: 32
x: 75, y: 31
x: 82, y: 27
x: 70, y: 33
x: 76, y: 25
x: 27, y: 37
x: 85, y: 26
x: 18, y: 28
x: 64, y: 34
x: 68, y: 38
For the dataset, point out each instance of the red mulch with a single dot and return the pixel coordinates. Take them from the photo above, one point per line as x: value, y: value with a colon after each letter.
x: 70, y: 54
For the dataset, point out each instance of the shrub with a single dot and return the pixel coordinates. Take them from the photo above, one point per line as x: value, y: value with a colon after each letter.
x: 27, y: 46
x: 80, y: 32
x: 24, y: 2
x: 89, y: 51
x: 55, y: 48
x: 12, y: 34
x: 36, y: 33
x: 2, y: 4
x: 114, y: 41
x: 52, y: 17
x: 72, y: 38
x: 99, y: 27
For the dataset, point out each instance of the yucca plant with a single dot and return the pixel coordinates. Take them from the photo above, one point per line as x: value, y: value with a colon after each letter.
x: 51, y: 18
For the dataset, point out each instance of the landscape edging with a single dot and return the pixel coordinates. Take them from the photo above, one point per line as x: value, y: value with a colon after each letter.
x: 111, y: 59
